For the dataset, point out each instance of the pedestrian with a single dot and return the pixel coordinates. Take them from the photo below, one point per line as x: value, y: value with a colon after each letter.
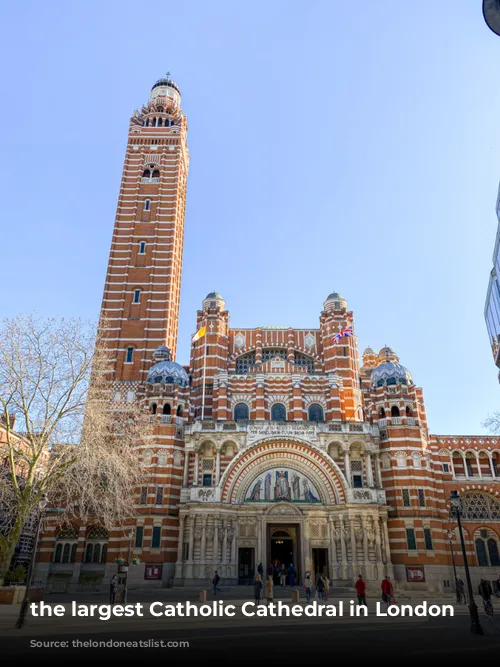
x: 486, y: 591
x: 497, y: 587
x: 307, y: 586
x: 283, y: 576
x: 361, y: 590
x: 215, y: 582
x: 320, y: 589
x: 461, y: 597
x: 326, y: 581
x: 257, y: 589
x: 113, y: 586
x: 269, y: 588
x: 292, y: 572
x: 260, y: 570
x: 387, y: 590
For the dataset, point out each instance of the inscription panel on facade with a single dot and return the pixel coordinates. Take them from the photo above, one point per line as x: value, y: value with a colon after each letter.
x: 260, y: 431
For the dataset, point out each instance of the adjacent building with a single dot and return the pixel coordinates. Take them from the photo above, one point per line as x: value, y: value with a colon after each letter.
x: 273, y: 443
x: 492, y: 306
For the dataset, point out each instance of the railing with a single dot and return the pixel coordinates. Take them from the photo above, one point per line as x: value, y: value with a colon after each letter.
x: 150, y: 180
x: 410, y: 421
x: 382, y: 423
x: 396, y: 421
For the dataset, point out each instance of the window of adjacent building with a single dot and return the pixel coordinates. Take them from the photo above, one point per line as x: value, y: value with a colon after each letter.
x: 156, y: 539
x: 428, y: 539
x: 159, y: 495
x: 130, y: 355
x: 410, y: 539
x: 421, y: 497
x: 470, y: 471
x: 240, y: 412
x: 315, y: 413
x: 147, y: 205
x: 278, y: 412
x: 137, y: 295
x: 406, y: 497
x: 139, y: 536
x: 142, y: 247
x: 144, y: 495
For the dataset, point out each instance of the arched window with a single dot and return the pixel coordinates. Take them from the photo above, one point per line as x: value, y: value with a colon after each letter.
x: 278, y: 413
x: 166, y: 409
x: 67, y: 542
x: 155, y: 176
x: 154, y: 122
x: 240, y: 412
x: 58, y: 553
x: 160, y: 122
x: 408, y: 411
x: 316, y: 413
x: 477, y: 505
x: 482, y: 558
x: 153, y: 409
x: 245, y: 362
x: 146, y: 175
x: 394, y: 411
x: 72, y: 558
x: 493, y: 552
x: 147, y: 122
x: 88, y: 553
x: 96, y: 550
x: 179, y: 410
x: 382, y: 413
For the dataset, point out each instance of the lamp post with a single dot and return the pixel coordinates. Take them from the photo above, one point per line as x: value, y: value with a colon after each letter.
x: 125, y: 584
x: 42, y: 504
x: 449, y: 535
x: 457, y: 511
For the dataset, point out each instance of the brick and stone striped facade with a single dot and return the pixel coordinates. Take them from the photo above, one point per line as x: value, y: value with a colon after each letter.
x: 271, y: 436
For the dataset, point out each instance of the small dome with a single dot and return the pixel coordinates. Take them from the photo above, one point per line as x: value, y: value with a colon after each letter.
x: 168, y: 372
x: 166, y: 81
x: 335, y: 301
x: 368, y: 352
x: 390, y: 372
x: 162, y: 353
x: 387, y: 354
x: 214, y: 297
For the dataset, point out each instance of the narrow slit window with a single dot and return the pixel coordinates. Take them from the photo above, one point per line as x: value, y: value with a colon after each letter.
x: 137, y: 295
x: 130, y: 355
x: 142, y: 248
x: 147, y: 204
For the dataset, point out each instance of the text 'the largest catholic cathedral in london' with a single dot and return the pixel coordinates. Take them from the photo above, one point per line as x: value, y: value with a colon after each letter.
x: 274, y: 443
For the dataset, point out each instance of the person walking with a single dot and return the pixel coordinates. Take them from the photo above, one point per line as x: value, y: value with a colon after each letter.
x: 257, y: 589
x: 260, y: 570
x: 387, y: 590
x: 461, y: 597
x: 292, y: 573
x: 215, y: 582
x: 269, y: 588
x: 307, y: 586
x: 497, y: 587
x: 113, y: 586
x: 283, y: 576
x: 326, y: 581
x: 361, y: 590
x: 320, y: 589
x: 486, y: 591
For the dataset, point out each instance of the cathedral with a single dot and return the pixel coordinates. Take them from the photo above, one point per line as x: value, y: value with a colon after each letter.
x: 273, y: 444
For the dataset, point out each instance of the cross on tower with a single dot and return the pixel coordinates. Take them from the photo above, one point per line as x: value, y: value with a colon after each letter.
x: 167, y: 75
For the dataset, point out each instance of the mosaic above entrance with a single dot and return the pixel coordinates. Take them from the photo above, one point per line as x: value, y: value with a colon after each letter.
x: 280, y: 485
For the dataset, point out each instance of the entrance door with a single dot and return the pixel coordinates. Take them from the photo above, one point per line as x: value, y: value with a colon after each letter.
x: 320, y: 563
x: 283, y: 549
x: 246, y: 565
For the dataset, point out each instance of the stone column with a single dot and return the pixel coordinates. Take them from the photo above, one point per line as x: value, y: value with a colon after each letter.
x: 466, y: 470
x: 196, y: 468
x: 307, y: 549
x: 492, y: 469
x: 297, y: 400
x: 378, y: 546
x: 354, y: 555
x: 180, y: 543
x: 217, y: 466
x: 190, y: 560
x: 478, y: 463
x: 378, y: 471
x: 366, y: 556
x: 224, y: 545
x: 215, y: 548
x: 186, y: 469
x: 234, y: 564
x: 343, y: 549
x: 333, y: 550
x: 369, y: 471
x: 347, y: 468
x: 388, y: 563
x: 203, y: 547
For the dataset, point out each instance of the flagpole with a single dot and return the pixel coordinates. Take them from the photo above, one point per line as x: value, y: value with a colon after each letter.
x: 204, y: 376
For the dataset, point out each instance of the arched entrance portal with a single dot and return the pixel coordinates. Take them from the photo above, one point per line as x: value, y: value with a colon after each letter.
x: 283, y: 548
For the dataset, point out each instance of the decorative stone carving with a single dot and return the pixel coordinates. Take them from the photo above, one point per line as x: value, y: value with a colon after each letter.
x: 358, y: 534
x: 360, y: 494
x: 239, y: 340
x: 206, y: 494
x: 198, y: 531
x: 336, y: 534
x: 210, y: 532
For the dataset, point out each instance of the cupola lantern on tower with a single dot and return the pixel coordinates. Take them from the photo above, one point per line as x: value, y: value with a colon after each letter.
x: 213, y: 300
x: 168, y: 89
x: 335, y: 301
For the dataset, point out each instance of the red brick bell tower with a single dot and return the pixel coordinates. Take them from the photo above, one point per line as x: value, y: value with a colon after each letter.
x: 142, y: 289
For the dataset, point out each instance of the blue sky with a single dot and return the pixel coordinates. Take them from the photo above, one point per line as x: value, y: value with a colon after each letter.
x: 349, y: 146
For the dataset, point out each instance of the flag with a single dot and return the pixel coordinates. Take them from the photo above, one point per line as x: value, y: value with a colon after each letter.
x: 199, y: 334
x: 344, y: 332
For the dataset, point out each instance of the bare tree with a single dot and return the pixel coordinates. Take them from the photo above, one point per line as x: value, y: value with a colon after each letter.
x: 492, y: 422
x: 70, y: 442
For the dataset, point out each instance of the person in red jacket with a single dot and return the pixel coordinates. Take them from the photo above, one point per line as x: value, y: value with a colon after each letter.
x: 361, y: 590
x: 387, y: 590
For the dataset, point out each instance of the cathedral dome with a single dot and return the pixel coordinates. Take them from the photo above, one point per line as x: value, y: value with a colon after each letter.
x: 165, y: 81
x: 390, y: 372
x: 335, y: 301
x: 168, y: 372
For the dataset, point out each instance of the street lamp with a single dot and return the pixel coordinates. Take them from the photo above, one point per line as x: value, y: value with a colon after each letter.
x: 457, y: 511
x: 42, y: 504
x: 125, y: 583
x: 449, y: 535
